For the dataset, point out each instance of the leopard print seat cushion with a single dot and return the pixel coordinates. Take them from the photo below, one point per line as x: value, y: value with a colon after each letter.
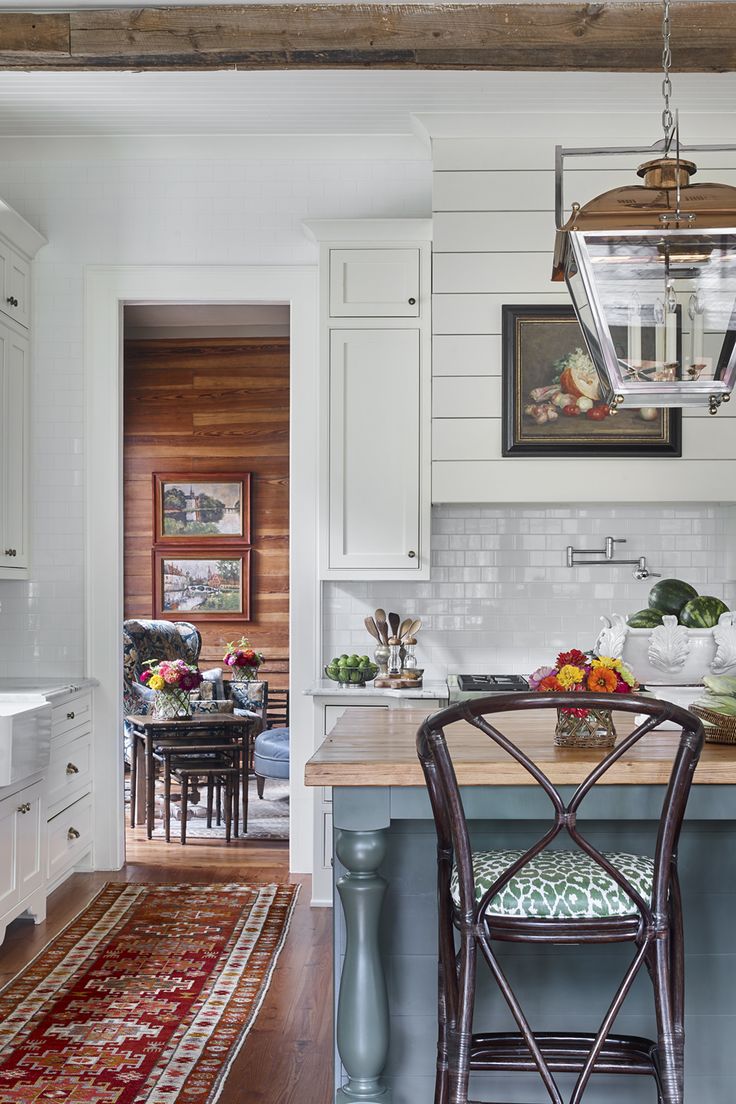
x: 559, y: 884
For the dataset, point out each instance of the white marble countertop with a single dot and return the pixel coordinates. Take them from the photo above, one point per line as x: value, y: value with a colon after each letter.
x: 325, y: 688
x: 49, y: 688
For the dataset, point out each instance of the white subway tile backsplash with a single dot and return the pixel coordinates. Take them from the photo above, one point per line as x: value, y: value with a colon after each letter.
x: 526, y: 604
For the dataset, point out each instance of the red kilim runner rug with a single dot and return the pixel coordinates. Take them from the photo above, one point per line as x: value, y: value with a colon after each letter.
x: 145, y: 998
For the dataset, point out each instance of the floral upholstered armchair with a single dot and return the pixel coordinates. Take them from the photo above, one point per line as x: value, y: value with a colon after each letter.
x: 153, y: 640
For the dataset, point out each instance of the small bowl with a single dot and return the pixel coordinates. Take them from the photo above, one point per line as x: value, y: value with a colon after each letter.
x: 413, y: 673
x: 351, y: 676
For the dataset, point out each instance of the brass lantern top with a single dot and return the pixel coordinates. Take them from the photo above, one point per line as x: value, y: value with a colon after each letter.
x: 667, y: 200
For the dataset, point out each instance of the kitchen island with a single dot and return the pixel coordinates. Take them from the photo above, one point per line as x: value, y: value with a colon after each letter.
x: 385, y: 873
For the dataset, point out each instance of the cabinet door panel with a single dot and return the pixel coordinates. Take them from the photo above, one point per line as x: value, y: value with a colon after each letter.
x: 374, y: 449
x: 30, y: 822
x: 8, y: 851
x: 374, y: 283
x: 14, y: 449
x: 18, y: 289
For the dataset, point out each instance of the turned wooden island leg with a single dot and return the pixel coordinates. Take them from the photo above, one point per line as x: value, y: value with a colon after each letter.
x: 362, y: 1011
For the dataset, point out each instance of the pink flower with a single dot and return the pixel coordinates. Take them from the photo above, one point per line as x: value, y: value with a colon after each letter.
x: 145, y: 676
x: 539, y: 674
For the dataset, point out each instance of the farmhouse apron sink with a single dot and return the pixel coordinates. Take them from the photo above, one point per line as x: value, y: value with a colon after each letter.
x: 25, y: 734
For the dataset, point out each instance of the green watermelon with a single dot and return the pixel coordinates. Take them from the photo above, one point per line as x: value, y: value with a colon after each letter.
x: 645, y: 619
x: 702, y: 612
x: 670, y: 595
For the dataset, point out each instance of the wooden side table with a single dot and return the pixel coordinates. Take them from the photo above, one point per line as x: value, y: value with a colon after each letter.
x: 147, y: 732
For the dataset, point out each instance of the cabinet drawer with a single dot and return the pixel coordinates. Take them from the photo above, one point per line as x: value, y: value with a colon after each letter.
x: 374, y: 283
x: 71, y: 714
x: 70, y: 768
x: 69, y: 836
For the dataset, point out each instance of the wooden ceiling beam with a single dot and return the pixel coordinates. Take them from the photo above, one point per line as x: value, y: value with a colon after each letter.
x: 608, y: 36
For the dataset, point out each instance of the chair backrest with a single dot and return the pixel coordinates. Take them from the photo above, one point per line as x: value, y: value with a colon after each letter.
x: 447, y: 807
x: 278, y: 708
x: 147, y: 640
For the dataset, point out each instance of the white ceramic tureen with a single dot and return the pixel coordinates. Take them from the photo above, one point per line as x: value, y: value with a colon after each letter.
x: 670, y: 654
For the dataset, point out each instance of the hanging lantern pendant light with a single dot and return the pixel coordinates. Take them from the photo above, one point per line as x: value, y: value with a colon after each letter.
x: 651, y: 270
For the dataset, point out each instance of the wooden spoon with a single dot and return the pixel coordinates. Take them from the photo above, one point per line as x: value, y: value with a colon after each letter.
x: 415, y: 627
x: 370, y: 624
x: 405, y: 626
x: 382, y: 625
x: 394, y: 621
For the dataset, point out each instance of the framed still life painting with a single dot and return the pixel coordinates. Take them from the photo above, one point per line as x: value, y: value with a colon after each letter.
x: 552, y: 401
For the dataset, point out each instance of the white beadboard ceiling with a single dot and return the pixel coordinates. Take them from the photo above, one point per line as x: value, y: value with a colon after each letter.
x: 322, y: 102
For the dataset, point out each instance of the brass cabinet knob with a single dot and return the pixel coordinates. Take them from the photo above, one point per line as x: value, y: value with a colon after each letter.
x: 11, y: 552
x: 73, y: 834
x: 412, y: 301
x: 12, y: 300
x: 72, y: 768
x: 412, y: 555
x: 70, y: 716
x: 25, y: 807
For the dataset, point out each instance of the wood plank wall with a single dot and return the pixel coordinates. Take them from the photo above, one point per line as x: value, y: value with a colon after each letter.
x: 493, y: 222
x: 211, y: 406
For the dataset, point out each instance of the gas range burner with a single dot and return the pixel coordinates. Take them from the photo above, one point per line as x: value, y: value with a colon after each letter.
x: 491, y: 684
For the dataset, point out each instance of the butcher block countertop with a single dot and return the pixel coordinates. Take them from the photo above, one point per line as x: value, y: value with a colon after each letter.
x: 371, y: 747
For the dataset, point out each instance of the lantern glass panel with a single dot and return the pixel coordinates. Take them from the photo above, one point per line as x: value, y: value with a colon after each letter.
x: 658, y: 309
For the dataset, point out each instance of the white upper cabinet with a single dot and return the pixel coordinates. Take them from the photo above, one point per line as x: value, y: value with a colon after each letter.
x: 14, y: 451
x: 375, y: 409
x: 19, y: 243
x: 15, y: 285
x: 374, y: 283
x: 374, y: 449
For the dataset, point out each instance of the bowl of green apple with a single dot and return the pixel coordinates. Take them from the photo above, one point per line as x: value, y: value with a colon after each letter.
x: 351, y: 670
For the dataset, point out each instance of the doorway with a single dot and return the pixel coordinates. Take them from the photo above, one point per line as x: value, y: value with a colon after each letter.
x: 206, y: 520
x: 109, y: 291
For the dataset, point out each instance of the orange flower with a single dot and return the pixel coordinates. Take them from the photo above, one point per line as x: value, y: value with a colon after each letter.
x: 602, y: 680
x: 549, y: 683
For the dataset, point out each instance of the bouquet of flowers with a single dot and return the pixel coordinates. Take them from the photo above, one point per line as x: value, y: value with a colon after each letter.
x: 576, y: 671
x: 243, y: 660
x: 168, y: 675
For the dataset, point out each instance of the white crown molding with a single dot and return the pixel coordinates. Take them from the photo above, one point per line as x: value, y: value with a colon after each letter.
x: 219, y: 147
x: 19, y: 232
x: 355, y: 230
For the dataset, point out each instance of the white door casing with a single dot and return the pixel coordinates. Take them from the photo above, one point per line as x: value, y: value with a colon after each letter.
x: 107, y: 290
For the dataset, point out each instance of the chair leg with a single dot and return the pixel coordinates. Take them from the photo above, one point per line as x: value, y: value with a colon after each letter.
x: 235, y: 799
x: 677, y: 958
x: 218, y: 802
x: 460, y: 1036
x: 260, y: 783
x: 210, y: 797
x: 167, y: 801
x: 228, y: 806
x: 184, y: 805
x: 668, y: 1044
x: 133, y: 779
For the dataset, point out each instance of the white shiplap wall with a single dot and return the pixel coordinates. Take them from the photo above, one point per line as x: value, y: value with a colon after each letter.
x: 493, y: 212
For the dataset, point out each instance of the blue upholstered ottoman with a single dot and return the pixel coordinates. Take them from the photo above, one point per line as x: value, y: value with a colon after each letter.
x: 271, y: 756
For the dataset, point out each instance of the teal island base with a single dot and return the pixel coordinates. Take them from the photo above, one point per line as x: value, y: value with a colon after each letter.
x: 386, y: 960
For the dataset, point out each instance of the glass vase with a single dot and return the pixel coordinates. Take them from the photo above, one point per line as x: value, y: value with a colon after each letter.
x: 594, y: 730
x: 243, y: 674
x: 170, y: 704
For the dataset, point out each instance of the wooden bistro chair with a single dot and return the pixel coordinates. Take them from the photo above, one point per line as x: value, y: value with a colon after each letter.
x: 220, y: 764
x: 484, y: 896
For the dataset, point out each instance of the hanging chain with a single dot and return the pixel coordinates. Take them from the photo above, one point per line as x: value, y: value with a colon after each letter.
x: 668, y: 121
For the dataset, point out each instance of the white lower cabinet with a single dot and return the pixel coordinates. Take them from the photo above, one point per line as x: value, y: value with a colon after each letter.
x: 22, y: 868
x: 69, y: 839
x: 69, y: 788
x: 46, y: 825
x: 14, y: 453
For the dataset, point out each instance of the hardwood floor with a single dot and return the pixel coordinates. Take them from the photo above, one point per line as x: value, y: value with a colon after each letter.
x: 287, y: 1056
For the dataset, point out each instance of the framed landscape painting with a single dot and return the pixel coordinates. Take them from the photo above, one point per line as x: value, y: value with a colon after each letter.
x: 212, y: 585
x: 201, y: 507
x: 552, y: 402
